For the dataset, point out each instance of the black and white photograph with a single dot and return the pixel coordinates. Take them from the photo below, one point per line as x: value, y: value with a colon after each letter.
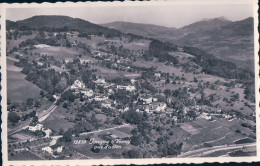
x: 140, y: 81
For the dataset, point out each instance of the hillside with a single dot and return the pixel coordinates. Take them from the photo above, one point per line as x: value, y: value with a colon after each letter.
x: 61, y: 23
x: 205, y: 25
x: 232, y: 41
x: 147, y: 30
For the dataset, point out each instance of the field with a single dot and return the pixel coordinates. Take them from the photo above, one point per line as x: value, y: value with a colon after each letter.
x: 24, y: 155
x: 56, y: 121
x: 214, y: 133
x: 19, y: 89
x: 57, y: 52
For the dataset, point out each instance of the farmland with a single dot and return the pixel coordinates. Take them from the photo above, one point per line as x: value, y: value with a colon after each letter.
x: 67, y: 88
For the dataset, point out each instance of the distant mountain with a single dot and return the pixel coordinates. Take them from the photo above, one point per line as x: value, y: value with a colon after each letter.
x: 233, y: 41
x: 205, y: 25
x: 147, y: 30
x: 61, y: 22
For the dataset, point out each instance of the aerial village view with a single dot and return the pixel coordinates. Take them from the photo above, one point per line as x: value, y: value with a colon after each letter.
x: 82, y: 90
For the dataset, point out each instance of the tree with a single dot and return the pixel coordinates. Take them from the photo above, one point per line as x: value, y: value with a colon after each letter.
x: 67, y: 136
x: 35, y: 119
x: 167, y: 92
x: 13, y: 117
x: 29, y: 102
x: 37, y: 103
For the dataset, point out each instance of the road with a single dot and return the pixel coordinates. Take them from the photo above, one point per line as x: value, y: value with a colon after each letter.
x: 206, y: 151
x: 92, y: 132
x: 41, y: 118
x: 85, y: 133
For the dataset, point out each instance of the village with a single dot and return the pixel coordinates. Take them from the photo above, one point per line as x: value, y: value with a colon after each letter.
x: 108, y: 88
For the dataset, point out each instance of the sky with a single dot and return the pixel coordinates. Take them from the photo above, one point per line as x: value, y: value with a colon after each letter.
x: 164, y: 15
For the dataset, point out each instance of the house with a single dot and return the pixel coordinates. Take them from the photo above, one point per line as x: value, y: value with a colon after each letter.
x: 77, y: 85
x: 148, y: 99
x: 113, y: 136
x: 160, y: 107
x: 110, y: 91
x: 48, y: 149
x: 36, y: 127
x: 106, y: 105
x: 175, y: 119
x: 133, y: 81
x: 87, y: 93
x: 100, y: 98
x: 59, y: 149
x: 157, y: 75
x: 128, y: 87
x: 100, y: 81
x: 67, y: 60
x: 82, y: 61
x: 47, y: 132
x: 206, y: 116
x: 227, y: 116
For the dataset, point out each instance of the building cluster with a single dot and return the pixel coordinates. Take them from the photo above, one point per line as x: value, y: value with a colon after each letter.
x: 39, y: 127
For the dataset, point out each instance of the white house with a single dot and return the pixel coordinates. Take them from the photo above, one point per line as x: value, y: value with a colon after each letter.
x: 59, y: 149
x: 100, y: 81
x: 133, y: 81
x: 128, y: 87
x: 47, y: 132
x: 77, y: 85
x: 88, y: 93
x: 148, y: 99
x: 36, y: 127
x: 48, y: 149
x: 100, y: 98
x: 161, y: 107
x: 157, y: 74
x: 106, y: 105
x: 110, y: 91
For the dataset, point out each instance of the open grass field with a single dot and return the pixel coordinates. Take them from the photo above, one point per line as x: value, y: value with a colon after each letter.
x: 15, y: 43
x: 56, y: 121
x: 19, y: 89
x: 57, y: 52
x: 24, y: 155
x: 214, y: 133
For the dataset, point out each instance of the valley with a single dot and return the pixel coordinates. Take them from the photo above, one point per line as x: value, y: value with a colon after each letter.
x: 72, y: 82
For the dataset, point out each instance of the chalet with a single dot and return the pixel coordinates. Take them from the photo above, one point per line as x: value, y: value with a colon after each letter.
x: 47, y: 132
x: 127, y: 87
x: 174, y: 118
x: 87, y: 93
x: 82, y: 61
x: 39, y: 63
x: 100, y: 98
x: 42, y: 46
x: 67, y: 60
x: 48, y: 149
x: 133, y: 81
x: 206, y: 116
x: 36, y: 127
x: 18, y: 54
x: 160, y: 107
x: 100, y: 81
x: 157, y: 75
x: 106, y: 104
x: 54, y: 148
x: 110, y: 91
x: 148, y: 99
x: 77, y: 85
